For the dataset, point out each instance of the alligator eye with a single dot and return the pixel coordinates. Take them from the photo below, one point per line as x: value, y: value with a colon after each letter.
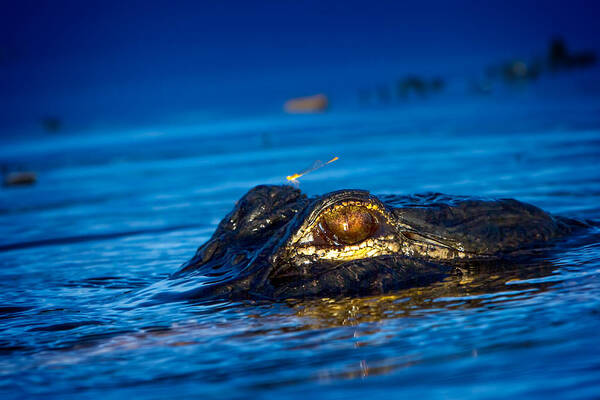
x: 349, y: 224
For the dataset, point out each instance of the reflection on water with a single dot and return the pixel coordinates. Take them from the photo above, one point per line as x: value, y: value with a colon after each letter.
x: 497, y: 283
x: 108, y: 222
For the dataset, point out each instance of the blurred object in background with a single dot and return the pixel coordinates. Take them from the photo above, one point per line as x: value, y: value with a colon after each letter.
x: 516, y: 73
x: 419, y: 86
x: 20, y: 178
x: 437, y: 84
x: 51, y: 124
x: 411, y: 84
x: 310, y: 104
x: 519, y: 71
x: 559, y: 57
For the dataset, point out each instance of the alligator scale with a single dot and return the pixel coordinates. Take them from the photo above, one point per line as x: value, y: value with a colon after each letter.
x: 278, y: 243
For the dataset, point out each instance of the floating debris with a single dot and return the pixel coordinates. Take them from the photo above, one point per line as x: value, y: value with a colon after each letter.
x: 20, y: 178
x: 310, y: 104
x: 316, y: 165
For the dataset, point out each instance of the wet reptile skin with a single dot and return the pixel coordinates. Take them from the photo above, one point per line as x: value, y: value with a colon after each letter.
x: 277, y: 243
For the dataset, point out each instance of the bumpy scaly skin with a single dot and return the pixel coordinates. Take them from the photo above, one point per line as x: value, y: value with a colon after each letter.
x: 276, y: 242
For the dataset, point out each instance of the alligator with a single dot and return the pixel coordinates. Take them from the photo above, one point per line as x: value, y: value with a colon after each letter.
x: 278, y: 243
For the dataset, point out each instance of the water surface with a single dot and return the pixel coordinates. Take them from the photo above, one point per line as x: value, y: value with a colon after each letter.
x: 116, y: 211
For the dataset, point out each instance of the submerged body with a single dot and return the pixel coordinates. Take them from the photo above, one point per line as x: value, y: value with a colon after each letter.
x: 278, y: 243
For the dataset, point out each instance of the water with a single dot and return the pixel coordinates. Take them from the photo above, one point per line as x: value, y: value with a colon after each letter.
x: 114, y: 212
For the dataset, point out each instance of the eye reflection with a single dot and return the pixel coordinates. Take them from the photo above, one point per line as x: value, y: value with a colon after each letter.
x: 349, y: 225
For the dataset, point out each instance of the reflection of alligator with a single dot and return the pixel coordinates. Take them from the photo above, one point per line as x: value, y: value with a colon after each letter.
x: 473, y: 288
x: 277, y: 243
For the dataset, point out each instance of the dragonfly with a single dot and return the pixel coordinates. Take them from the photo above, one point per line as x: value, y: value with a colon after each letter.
x: 315, y: 166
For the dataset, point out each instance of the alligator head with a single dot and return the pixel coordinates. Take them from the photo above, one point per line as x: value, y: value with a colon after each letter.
x: 278, y: 243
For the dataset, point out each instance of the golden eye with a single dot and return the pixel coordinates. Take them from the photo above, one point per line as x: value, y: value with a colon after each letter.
x: 349, y: 224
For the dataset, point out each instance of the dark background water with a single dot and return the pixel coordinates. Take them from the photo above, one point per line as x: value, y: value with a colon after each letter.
x: 99, y: 64
x: 169, y: 114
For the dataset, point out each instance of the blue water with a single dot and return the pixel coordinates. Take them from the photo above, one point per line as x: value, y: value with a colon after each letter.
x: 114, y: 212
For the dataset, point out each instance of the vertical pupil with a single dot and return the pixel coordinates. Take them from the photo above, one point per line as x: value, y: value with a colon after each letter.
x: 349, y: 225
